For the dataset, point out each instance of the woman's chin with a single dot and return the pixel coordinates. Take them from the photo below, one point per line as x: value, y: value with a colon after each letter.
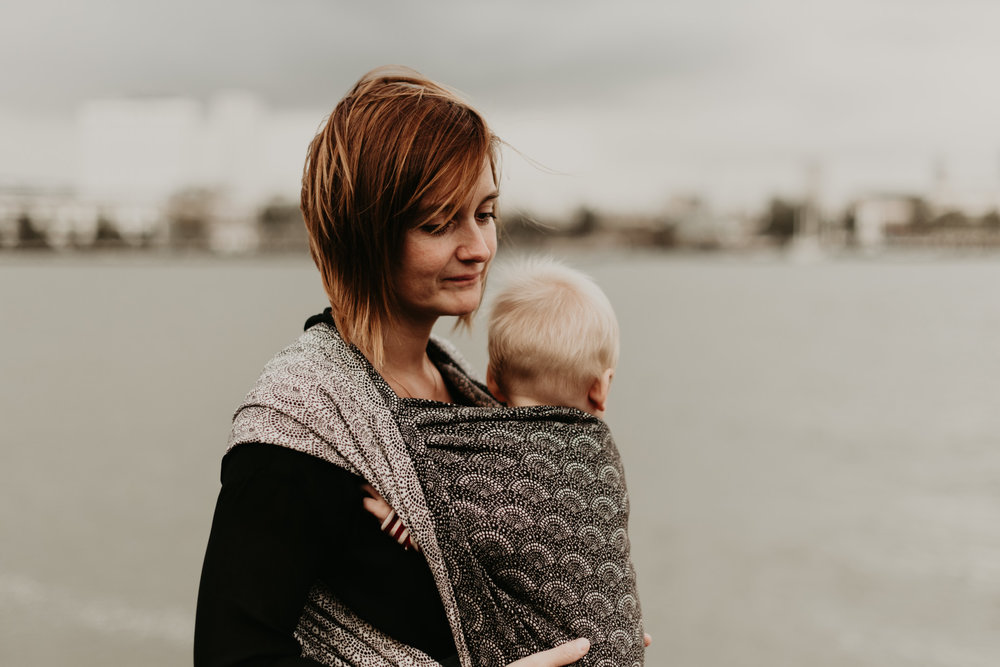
x: 466, y: 302
x: 463, y: 308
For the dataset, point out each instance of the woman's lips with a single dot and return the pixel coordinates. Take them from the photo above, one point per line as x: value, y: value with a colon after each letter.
x: 466, y: 279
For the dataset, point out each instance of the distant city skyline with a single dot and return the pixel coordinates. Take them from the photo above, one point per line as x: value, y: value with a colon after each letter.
x: 625, y: 105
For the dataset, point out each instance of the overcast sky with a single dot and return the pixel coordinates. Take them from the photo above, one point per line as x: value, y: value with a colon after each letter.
x: 629, y: 102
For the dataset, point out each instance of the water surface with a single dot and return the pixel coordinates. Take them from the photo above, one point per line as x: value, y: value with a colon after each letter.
x: 811, y: 450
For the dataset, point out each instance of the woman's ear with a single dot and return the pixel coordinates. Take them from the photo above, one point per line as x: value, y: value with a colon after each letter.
x: 597, y: 397
x: 492, y: 385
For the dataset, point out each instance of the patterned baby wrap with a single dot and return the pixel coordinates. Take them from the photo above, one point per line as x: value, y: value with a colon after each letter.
x: 520, y: 513
x: 531, y: 513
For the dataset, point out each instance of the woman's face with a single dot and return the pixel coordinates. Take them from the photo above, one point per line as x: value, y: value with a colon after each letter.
x: 443, y: 268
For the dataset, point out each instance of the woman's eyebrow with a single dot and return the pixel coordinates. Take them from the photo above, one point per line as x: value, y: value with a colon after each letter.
x: 493, y: 195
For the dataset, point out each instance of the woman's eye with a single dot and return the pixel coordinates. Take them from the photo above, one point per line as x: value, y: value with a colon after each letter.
x: 486, y: 216
x: 436, y: 228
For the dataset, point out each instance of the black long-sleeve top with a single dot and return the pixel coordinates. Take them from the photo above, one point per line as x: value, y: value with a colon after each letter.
x: 284, y: 519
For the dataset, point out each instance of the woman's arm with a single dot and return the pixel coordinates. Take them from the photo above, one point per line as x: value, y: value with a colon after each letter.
x: 284, y: 520
x: 261, y: 561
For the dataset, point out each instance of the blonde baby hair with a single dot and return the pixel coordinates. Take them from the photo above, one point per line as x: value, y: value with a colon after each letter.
x: 552, y: 331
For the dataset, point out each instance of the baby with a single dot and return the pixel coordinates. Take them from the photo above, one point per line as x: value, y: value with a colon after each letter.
x: 553, y: 340
x: 540, y: 492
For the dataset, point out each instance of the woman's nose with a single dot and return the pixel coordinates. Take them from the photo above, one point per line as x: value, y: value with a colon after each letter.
x: 474, y: 246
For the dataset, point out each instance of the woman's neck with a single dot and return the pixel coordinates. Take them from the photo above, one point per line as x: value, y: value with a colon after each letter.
x: 408, y: 369
x: 405, y: 346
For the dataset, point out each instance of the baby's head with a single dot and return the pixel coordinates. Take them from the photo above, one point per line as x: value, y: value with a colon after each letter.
x: 553, y: 339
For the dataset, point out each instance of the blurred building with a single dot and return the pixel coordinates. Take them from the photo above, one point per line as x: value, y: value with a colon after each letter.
x: 875, y: 215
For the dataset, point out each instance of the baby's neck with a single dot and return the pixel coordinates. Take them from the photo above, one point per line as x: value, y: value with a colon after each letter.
x: 524, y: 400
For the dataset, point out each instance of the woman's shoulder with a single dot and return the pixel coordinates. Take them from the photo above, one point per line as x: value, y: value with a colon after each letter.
x: 318, y: 357
x: 309, y: 396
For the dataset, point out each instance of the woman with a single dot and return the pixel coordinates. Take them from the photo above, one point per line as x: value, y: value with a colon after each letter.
x: 399, y: 198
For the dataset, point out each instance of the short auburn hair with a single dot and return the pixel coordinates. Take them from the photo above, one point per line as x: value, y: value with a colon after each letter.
x: 552, y: 331
x: 398, y: 151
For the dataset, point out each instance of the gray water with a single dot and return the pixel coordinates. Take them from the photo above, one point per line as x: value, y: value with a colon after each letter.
x: 811, y: 451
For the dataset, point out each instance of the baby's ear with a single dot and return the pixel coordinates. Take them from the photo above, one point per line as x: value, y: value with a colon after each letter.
x: 597, y: 397
x: 491, y: 384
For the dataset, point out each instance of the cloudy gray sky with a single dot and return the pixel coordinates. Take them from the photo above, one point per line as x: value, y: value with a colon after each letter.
x: 628, y: 102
